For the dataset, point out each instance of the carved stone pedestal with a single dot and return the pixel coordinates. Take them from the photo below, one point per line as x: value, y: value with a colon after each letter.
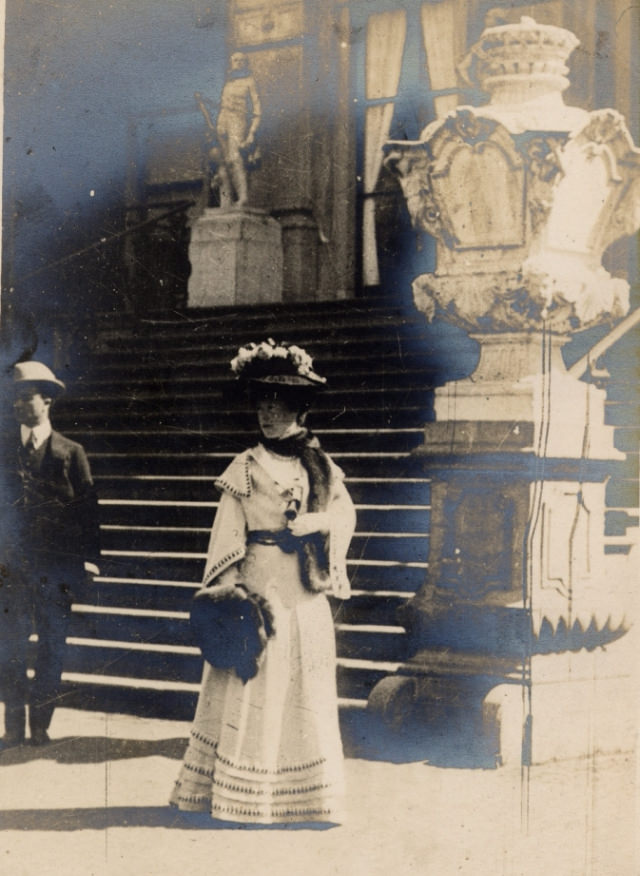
x: 516, y: 636
x: 236, y: 258
x: 507, y: 636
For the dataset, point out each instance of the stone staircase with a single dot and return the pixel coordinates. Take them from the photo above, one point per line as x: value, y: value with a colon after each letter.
x: 161, y: 416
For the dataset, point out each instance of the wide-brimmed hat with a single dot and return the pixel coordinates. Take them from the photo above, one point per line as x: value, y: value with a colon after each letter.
x: 39, y: 375
x: 275, y: 364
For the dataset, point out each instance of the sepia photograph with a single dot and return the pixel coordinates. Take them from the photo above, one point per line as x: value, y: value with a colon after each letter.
x: 319, y: 438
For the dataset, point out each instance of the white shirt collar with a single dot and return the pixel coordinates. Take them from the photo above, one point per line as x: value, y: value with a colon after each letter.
x: 40, y: 433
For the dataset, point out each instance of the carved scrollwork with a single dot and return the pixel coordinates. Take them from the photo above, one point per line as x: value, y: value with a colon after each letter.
x: 543, y: 157
x: 494, y: 301
x: 544, y: 162
x: 429, y: 218
x: 412, y: 168
x: 515, y: 301
x: 465, y: 184
x: 469, y: 127
x: 605, y: 126
x: 539, y: 209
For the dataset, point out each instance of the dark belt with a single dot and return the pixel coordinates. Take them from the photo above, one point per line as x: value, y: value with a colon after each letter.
x: 302, y: 545
x: 282, y: 538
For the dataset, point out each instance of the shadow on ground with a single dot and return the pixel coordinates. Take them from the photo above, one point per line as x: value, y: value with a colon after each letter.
x: 441, y: 744
x: 95, y: 749
x: 364, y: 737
x: 101, y: 818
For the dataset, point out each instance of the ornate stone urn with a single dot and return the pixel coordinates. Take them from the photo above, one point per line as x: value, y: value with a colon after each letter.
x: 523, y: 196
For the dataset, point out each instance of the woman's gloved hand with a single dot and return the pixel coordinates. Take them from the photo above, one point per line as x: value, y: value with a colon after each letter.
x: 305, y: 524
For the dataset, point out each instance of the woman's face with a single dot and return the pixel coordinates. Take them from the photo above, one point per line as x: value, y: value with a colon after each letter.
x: 275, y: 417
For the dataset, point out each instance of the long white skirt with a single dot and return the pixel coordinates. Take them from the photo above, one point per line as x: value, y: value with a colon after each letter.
x: 269, y: 750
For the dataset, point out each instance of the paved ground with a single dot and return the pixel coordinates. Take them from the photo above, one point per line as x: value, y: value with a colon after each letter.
x: 93, y: 803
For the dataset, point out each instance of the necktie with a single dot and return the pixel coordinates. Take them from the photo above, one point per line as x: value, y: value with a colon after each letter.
x: 31, y: 443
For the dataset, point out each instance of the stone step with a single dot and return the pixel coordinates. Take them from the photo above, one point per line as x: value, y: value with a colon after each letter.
x: 159, y: 321
x: 379, y: 412
x: 331, y: 357
x: 398, y: 490
x: 172, y: 629
x: 364, y: 574
x: 151, y: 387
x: 337, y: 362
x: 153, y: 450
x: 128, y: 695
x: 343, y: 368
x: 410, y: 547
x: 450, y: 353
x: 159, y: 698
x: 283, y: 323
x: 364, y: 606
x: 383, y: 518
x: 383, y: 464
x: 218, y: 404
x: 317, y: 340
x: 370, y: 580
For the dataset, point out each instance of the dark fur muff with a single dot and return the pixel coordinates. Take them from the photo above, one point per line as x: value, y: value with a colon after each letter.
x: 231, y: 629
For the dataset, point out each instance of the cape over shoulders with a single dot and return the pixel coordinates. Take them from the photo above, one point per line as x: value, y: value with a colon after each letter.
x: 236, y: 478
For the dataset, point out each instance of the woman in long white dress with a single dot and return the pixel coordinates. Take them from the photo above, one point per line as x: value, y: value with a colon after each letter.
x: 266, y: 749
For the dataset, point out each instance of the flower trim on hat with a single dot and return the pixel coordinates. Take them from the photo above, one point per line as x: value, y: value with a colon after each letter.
x: 258, y: 357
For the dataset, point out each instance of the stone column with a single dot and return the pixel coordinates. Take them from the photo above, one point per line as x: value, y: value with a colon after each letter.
x: 300, y: 255
x: 508, y: 633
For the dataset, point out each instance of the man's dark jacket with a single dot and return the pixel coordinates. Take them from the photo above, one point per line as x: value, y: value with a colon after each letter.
x: 50, y: 517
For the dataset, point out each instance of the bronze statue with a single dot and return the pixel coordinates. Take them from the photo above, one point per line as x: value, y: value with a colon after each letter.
x: 234, y: 148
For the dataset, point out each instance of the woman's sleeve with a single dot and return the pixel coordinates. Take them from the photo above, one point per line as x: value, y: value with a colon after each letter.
x: 342, y: 524
x: 227, y: 544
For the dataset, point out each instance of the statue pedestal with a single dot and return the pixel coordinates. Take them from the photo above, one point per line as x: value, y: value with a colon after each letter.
x: 236, y: 258
x: 520, y: 632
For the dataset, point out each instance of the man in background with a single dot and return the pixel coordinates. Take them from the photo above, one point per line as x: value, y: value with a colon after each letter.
x: 49, y: 542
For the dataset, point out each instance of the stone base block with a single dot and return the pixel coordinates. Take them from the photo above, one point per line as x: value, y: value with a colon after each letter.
x: 579, y: 705
x: 558, y: 707
x: 236, y: 258
x: 438, y: 719
x: 505, y: 724
x: 393, y: 699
